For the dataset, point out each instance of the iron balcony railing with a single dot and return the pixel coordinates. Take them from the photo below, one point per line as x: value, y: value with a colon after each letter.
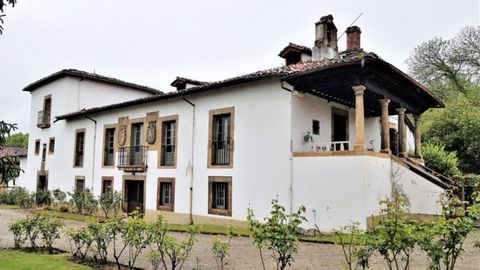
x: 330, y: 146
x: 132, y: 156
x: 221, y: 152
x: 168, y: 155
x: 43, y: 118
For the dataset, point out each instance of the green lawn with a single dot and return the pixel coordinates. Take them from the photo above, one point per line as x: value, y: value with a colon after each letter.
x: 9, y: 206
x: 13, y: 260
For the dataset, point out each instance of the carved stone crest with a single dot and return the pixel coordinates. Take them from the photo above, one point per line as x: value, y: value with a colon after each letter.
x: 152, y: 132
x: 122, y: 135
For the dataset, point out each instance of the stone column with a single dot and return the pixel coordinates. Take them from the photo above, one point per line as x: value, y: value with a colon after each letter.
x: 402, y: 134
x: 359, y: 118
x: 385, y: 132
x: 418, y: 137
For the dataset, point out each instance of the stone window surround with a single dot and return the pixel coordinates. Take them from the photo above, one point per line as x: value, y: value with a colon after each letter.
x: 115, y: 146
x: 107, y: 178
x: 160, y: 139
x: 221, y: 179
x: 211, y: 115
x: 36, y: 149
x: 160, y: 180
x: 77, y: 178
x: 51, y: 149
x: 75, y: 146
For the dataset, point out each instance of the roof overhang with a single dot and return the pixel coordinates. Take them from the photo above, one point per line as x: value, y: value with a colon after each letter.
x: 90, y: 76
x: 381, y: 79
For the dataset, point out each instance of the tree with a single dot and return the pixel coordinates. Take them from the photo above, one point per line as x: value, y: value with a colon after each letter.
x: 4, y: 3
x: 18, y: 140
x: 9, y: 164
x: 438, y: 62
x: 457, y: 126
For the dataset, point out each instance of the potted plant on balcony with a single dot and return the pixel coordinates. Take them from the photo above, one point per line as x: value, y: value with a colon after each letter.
x: 307, y: 138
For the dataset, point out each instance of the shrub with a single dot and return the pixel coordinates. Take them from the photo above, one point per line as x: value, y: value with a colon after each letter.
x: 43, y: 197
x: 18, y: 230
x: 137, y: 236
x: 278, y: 233
x: 32, y: 229
x: 84, y: 201
x: 110, y: 202
x: 59, y: 195
x: 178, y: 251
x: 116, y: 228
x: 82, y: 241
x: 102, y: 238
x: 395, y: 236
x: 438, y: 159
x: 154, y: 257
x: 49, y: 227
x: 353, y: 242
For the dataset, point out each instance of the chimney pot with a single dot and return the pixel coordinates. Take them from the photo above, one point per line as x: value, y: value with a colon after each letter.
x: 353, y: 38
x: 325, y: 39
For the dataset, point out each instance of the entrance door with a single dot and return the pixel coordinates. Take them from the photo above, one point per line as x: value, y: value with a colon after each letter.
x: 42, y: 183
x: 134, y: 197
x: 340, y: 129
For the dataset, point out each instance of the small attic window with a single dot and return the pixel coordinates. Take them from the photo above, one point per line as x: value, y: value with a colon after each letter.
x: 293, y: 58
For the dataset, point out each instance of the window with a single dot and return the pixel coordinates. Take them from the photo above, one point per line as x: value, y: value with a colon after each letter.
x: 109, y: 147
x: 79, y: 148
x: 79, y: 183
x: 220, y: 195
x: 166, y: 194
x: 43, y: 120
x: 136, y: 144
x: 51, y: 146
x: 221, y: 137
x: 316, y: 127
x: 37, y: 147
x: 169, y: 142
x: 107, y: 184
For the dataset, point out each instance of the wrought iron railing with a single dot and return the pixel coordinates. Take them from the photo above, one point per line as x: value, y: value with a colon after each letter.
x: 43, y: 118
x: 168, y: 155
x: 221, y: 152
x: 132, y: 156
x: 108, y: 157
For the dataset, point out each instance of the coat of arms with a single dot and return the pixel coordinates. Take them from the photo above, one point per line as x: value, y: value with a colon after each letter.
x: 152, y: 132
x: 122, y: 135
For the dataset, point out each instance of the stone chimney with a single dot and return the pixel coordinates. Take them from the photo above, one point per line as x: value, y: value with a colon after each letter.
x: 325, y: 39
x: 353, y: 38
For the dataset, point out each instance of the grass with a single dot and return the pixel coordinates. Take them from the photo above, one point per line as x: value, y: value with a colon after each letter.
x: 12, y: 260
x: 68, y: 215
x: 9, y: 206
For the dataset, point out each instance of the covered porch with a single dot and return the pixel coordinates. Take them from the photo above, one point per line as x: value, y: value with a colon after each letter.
x: 354, y: 101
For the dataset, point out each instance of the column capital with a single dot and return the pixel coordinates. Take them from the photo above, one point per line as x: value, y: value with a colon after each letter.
x: 384, y: 101
x: 359, y: 89
x: 401, y: 111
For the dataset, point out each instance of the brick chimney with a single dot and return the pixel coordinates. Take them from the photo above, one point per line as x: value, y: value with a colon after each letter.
x: 353, y: 38
x: 325, y: 39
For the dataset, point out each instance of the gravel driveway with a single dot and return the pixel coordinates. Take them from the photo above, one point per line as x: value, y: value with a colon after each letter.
x: 245, y: 256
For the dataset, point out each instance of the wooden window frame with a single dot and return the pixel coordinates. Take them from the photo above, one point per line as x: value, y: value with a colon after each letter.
x: 211, y: 115
x: 50, y: 149
x: 78, y: 178
x: 170, y: 208
x: 220, y: 179
x: 36, y: 148
x: 75, y: 146
x: 160, y: 152
x: 105, y: 128
x: 107, y: 178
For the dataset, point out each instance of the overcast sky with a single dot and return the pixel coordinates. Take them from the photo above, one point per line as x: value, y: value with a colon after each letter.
x: 151, y: 42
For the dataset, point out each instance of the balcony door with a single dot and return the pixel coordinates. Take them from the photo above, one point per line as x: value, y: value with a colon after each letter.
x: 339, y: 128
x: 136, y: 143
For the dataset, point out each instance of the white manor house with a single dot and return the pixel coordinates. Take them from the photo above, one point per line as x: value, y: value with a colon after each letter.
x: 320, y: 132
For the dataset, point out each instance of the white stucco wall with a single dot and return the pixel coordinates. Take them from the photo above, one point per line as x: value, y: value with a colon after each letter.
x: 343, y: 189
x: 308, y: 107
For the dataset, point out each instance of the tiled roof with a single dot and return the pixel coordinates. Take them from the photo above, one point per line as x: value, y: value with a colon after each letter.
x: 13, y: 151
x: 278, y: 72
x: 91, y: 76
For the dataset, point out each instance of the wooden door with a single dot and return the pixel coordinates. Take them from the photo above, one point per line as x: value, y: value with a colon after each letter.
x: 134, y: 197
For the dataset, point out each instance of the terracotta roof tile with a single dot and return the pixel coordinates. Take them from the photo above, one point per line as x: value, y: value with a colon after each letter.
x: 13, y: 151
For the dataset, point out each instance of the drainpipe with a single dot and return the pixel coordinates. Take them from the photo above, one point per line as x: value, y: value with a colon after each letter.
x: 290, y: 188
x: 192, y: 160
x: 94, y: 147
